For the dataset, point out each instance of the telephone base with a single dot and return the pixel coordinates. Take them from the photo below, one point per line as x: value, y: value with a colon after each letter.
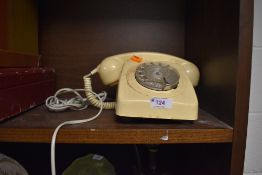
x: 153, y: 85
x: 143, y: 109
x: 134, y: 100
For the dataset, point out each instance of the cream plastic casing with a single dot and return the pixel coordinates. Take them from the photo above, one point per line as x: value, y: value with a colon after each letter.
x: 134, y: 100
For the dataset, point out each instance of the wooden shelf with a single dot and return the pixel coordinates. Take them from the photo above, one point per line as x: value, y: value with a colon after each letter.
x: 73, y: 38
x: 37, y: 125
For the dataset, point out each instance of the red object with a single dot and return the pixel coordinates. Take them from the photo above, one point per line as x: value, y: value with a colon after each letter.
x: 24, y: 88
x: 136, y: 59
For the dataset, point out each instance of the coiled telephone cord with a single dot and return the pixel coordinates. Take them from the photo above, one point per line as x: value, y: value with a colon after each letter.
x: 92, y: 98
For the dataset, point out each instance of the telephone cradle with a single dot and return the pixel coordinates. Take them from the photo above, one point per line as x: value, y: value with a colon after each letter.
x: 152, y: 85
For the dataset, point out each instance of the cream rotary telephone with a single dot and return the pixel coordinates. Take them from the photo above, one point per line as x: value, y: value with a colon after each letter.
x: 150, y: 85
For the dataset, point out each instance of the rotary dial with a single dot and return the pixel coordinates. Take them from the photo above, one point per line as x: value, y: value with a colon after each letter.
x: 157, y: 76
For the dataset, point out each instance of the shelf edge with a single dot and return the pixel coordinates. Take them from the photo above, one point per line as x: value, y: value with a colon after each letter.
x: 118, y: 136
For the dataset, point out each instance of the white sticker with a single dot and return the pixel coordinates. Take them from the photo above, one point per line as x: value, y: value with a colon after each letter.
x: 161, y: 103
x: 97, y: 157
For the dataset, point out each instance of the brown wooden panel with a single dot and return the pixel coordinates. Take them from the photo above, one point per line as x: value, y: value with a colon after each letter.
x: 19, y: 26
x: 75, y: 37
x: 3, y: 24
x: 38, y: 126
x: 23, y: 26
x: 15, y: 59
x: 124, y: 136
x: 221, y: 41
x: 243, y: 86
x: 212, y: 41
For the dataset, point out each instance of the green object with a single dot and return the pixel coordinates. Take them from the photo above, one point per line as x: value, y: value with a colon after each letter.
x: 9, y: 166
x: 91, y: 164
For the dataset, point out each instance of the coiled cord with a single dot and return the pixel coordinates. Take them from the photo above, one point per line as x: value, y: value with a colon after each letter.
x: 92, y: 98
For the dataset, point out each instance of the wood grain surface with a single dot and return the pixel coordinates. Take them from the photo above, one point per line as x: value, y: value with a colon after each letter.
x: 38, y: 125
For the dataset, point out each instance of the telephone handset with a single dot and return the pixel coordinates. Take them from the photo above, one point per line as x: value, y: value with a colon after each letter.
x: 150, y: 85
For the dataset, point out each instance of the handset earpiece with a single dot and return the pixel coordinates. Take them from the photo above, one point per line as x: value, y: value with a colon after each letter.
x: 192, y: 72
x: 110, y: 69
